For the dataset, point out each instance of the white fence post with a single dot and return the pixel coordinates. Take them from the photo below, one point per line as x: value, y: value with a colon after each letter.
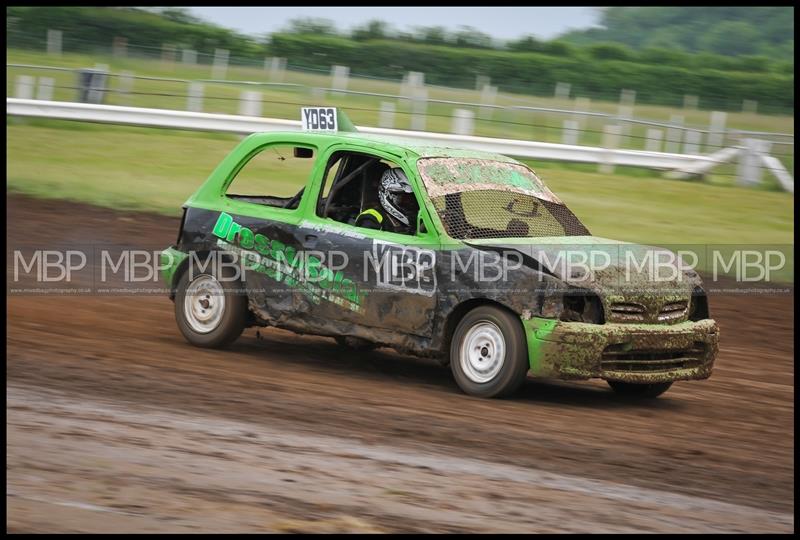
x: 488, y: 95
x: 716, y: 129
x: 25, y: 86
x: 54, y: 39
x: 611, y: 136
x: 463, y: 122
x: 411, y: 80
x: 386, y: 118
x: 125, y: 85
x: 674, y: 134
x: 691, y: 144
x: 627, y: 99
x: 653, y: 141
x: 195, y: 100
x: 44, y: 90
x: 569, y: 135
x: 481, y: 81
x: 419, y: 104
x: 750, y: 169
x: 250, y: 103
x: 562, y: 90
x: 339, y: 77
x: 189, y: 57
x: 220, y: 68
x: 413, y: 86
x: 582, y: 105
x: 276, y: 67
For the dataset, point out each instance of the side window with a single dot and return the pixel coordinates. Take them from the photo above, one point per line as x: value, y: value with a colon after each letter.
x: 351, y: 194
x: 275, y: 176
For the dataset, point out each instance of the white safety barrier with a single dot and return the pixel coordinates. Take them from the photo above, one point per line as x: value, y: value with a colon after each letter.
x: 139, y: 116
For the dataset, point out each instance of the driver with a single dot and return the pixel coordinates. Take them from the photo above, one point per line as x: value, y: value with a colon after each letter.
x: 396, y: 212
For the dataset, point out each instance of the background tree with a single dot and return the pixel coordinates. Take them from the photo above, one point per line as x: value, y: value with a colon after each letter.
x: 310, y: 25
x: 374, y: 29
x: 729, y: 31
x: 467, y: 36
x: 433, y: 35
x: 730, y: 37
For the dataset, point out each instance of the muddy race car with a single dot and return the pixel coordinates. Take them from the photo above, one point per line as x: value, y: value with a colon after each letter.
x: 459, y: 255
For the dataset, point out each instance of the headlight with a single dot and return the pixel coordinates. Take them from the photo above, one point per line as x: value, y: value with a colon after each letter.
x: 552, y: 305
x: 572, y: 306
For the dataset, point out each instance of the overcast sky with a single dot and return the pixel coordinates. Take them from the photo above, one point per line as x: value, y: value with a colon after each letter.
x: 502, y: 23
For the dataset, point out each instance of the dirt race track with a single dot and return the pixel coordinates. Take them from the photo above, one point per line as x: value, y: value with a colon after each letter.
x: 114, y: 423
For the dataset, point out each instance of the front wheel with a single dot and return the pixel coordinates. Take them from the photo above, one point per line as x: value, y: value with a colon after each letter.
x: 637, y: 390
x: 210, y: 313
x: 488, y: 353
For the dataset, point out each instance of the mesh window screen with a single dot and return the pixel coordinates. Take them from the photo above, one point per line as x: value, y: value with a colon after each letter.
x: 502, y: 214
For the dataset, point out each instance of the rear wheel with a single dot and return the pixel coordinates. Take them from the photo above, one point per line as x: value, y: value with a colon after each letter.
x: 210, y: 313
x: 488, y: 355
x: 637, y: 390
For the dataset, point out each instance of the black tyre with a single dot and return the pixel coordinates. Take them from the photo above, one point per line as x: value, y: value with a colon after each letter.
x: 210, y: 313
x: 635, y: 390
x: 488, y: 353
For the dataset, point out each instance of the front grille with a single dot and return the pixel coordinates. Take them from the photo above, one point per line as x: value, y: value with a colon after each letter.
x: 615, y: 358
x: 635, y: 312
x: 673, y: 311
x: 628, y: 311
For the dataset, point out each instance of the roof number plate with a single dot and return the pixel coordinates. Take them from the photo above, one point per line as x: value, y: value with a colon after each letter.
x: 319, y: 119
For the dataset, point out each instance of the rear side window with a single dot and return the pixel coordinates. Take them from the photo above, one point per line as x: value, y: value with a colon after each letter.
x: 274, y: 176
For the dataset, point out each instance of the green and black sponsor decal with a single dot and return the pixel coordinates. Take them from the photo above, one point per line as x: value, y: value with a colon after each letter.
x: 303, y: 271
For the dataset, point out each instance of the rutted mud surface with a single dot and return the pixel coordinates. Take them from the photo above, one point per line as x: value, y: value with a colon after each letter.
x: 116, y: 423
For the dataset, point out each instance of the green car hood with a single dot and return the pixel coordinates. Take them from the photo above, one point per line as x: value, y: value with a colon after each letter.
x: 634, y: 272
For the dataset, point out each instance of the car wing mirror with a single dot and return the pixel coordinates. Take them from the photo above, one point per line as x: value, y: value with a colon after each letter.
x: 300, y: 152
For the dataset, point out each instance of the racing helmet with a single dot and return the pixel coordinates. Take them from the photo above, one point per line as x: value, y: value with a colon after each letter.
x: 396, y: 195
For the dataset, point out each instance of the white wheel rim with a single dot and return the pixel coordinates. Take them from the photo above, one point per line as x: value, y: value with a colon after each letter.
x: 204, y: 304
x: 483, y: 352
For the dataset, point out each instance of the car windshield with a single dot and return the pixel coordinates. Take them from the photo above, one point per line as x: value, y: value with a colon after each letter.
x: 483, y: 198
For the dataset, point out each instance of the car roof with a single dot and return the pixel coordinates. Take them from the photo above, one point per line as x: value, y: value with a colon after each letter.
x: 400, y: 145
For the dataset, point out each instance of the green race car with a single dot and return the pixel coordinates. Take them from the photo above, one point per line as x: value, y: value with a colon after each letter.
x: 455, y: 254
